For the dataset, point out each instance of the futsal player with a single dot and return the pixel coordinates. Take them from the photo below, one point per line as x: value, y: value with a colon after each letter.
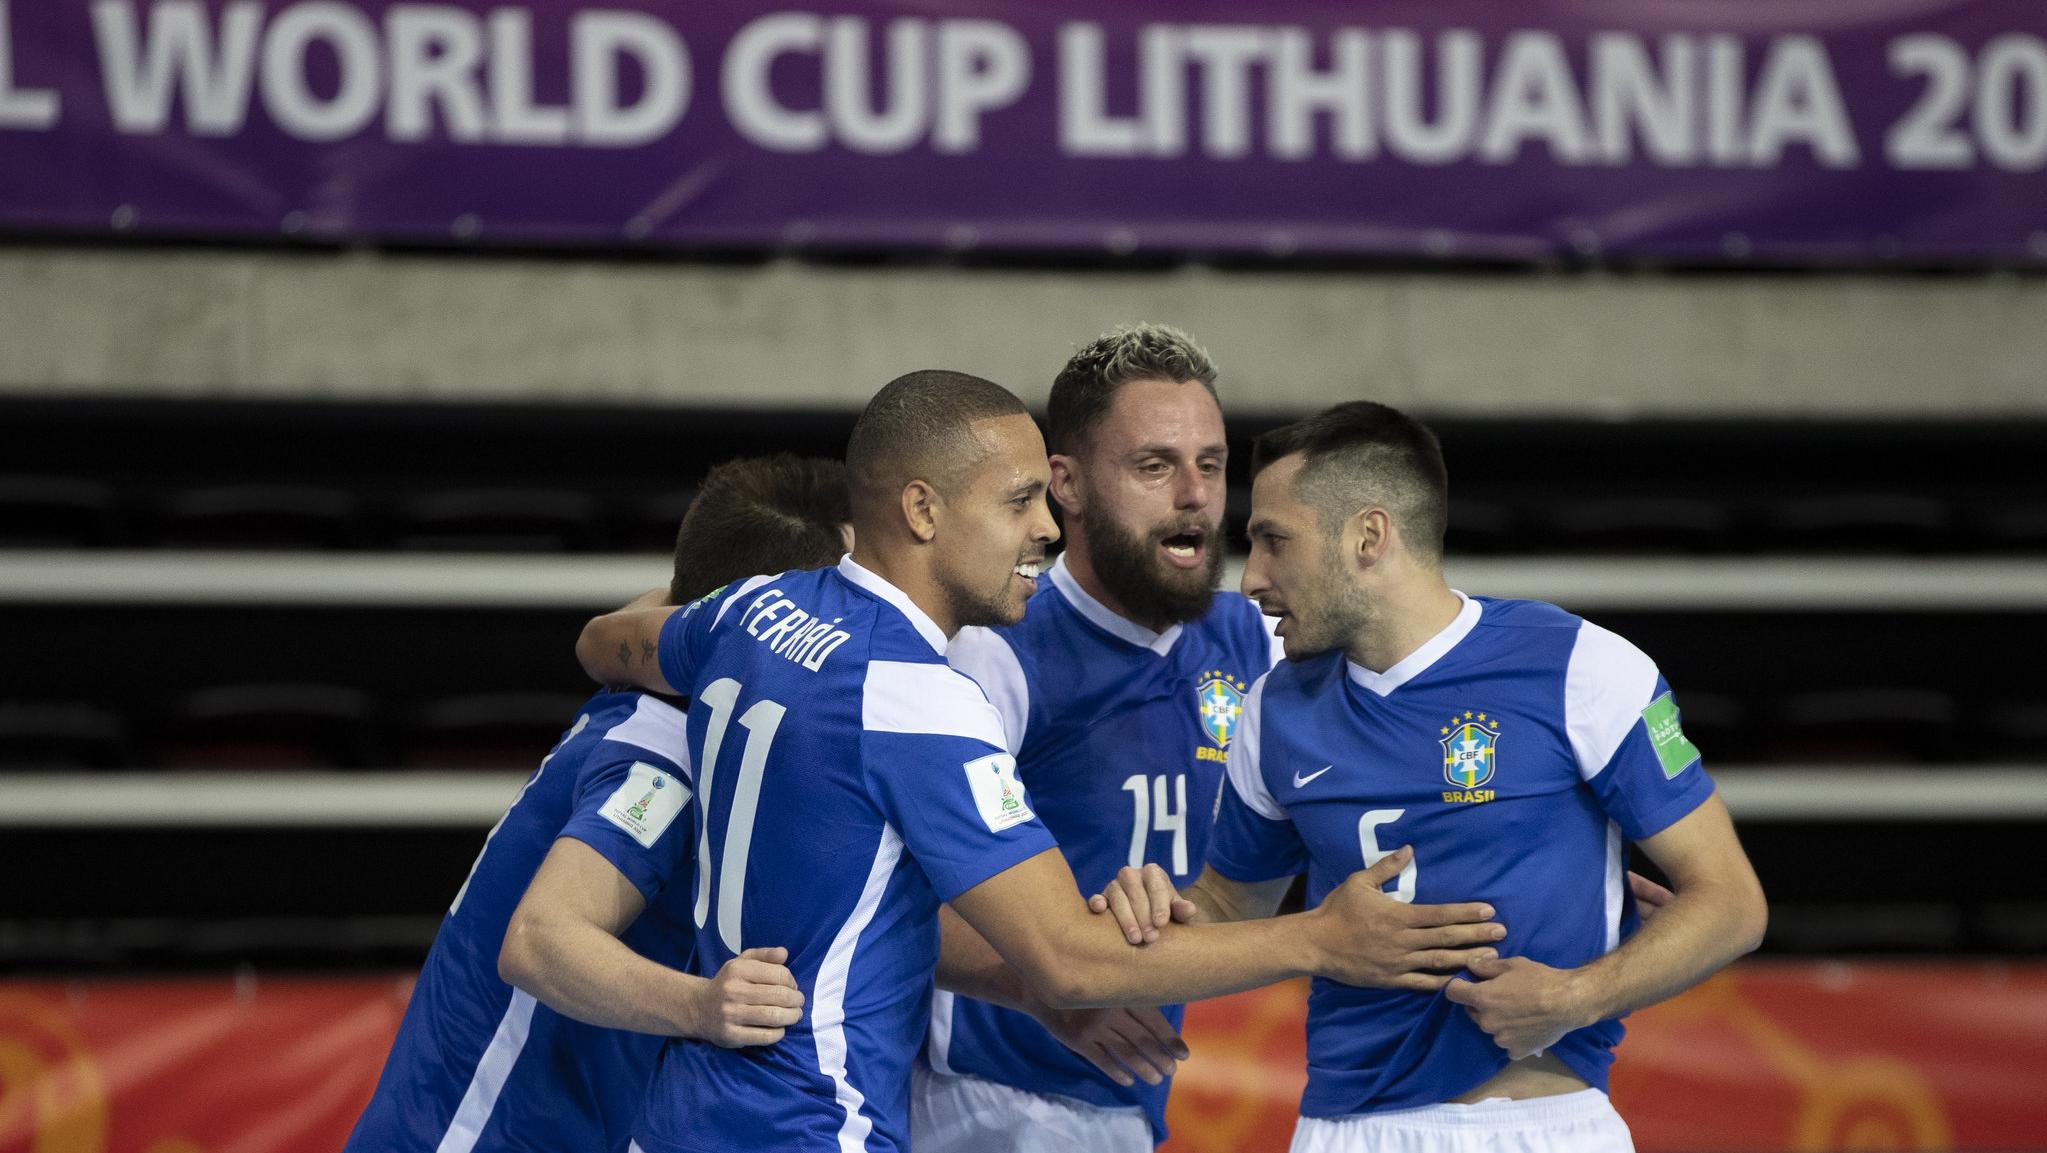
x: 1517, y: 748
x: 850, y: 781
x: 1120, y: 692
x: 480, y: 1065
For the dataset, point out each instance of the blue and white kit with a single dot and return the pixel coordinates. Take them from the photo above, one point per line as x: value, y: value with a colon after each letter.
x: 849, y: 781
x: 1517, y: 751
x: 480, y: 1066
x: 1120, y: 733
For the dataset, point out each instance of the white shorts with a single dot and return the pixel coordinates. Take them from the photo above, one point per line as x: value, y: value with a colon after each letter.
x: 955, y: 1113
x: 1581, y: 1122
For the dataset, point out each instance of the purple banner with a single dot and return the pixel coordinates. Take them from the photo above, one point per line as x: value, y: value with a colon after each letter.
x: 1859, y: 131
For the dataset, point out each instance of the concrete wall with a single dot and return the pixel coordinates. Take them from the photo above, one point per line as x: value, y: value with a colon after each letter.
x: 175, y: 323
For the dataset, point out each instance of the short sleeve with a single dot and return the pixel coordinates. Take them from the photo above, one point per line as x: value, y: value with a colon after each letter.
x: 936, y: 766
x: 1627, y: 736
x: 987, y: 657
x: 637, y: 813
x: 1254, y: 839
x: 681, y: 645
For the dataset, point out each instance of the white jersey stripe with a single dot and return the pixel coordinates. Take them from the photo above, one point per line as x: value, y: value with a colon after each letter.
x: 929, y: 699
x: 659, y: 728
x: 1606, y: 686
x: 938, y: 1042
x: 986, y: 656
x: 498, y: 1058
x: 828, y: 999
x: 1616, y: 886
x: 1242, y: 770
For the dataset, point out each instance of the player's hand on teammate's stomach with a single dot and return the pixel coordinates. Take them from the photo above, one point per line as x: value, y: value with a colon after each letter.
x: 751, y: 1001
x: 1370, y: 939
x: 1125, y: 1044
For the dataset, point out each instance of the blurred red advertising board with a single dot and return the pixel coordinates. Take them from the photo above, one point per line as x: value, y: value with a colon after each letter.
x: 1770, y: 1056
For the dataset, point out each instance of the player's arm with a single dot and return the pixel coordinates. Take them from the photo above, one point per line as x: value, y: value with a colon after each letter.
x: 1717, y: 914
x: 1072, y: 958
x: 1143, y: 900
x: 563, y: 947
x: 623, y: 647
x: 1125, y: 1044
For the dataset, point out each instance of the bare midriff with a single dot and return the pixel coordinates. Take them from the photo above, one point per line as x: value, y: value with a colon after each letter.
x: 1530, y: 1077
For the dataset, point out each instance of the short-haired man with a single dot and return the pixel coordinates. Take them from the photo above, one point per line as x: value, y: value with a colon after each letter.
x: 1120, y: 692
x: 477, y: 1064
x: 851, y: 781
x: 1516, y: 748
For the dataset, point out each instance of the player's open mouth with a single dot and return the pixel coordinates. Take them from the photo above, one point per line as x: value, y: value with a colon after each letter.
x: 1186, y: 549
x: 1028, y: 570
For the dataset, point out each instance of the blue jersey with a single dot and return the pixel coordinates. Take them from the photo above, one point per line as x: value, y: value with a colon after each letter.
x: 849, y: 782
x: 1120, y: 734
x: 479, y: 1065
x: 1516, y: 751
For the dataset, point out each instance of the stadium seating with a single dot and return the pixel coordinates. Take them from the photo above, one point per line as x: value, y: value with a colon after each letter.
x: 485, y: 684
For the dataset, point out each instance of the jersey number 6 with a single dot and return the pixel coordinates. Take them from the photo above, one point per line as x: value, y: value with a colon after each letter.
x: 1368, y: 843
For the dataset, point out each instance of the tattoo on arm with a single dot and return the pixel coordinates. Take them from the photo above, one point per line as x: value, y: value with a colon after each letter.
x: 648, y: 649
x: 625, y: 655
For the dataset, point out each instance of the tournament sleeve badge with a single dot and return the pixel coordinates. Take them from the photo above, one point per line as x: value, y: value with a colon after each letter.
x: 1471, y: 746
x: 1673, y: 751
x: 646, y: 804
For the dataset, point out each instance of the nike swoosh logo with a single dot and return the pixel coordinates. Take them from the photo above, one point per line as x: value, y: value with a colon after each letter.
x: 1301, y: 781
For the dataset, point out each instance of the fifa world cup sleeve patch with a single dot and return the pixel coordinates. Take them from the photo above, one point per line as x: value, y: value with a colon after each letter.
x: 647, y: 803
x: 1672, y: 749
x: 998, y: 794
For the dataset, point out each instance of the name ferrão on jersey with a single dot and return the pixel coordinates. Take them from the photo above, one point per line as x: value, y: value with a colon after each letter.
x: 789, y: 632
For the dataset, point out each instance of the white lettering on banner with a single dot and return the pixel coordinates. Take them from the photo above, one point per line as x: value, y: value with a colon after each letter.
x: 328, y: 70
x: 516, y: 119
x: 2006, y: 112
x: 1298, y: 91
x: 177, y: 49
x: 1797, y: 101
x: 936, y: 79
x: 287, y: 90
x: 1439, y: 100
x: 598, y: 40
x: 982, y: 66
x: 430, y: 68
x: 34, y: 109
x: 434, y: 56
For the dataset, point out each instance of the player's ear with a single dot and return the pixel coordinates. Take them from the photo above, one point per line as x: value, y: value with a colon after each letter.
x: 1369, y: 535
x: 1065, y: 486
x: 920, y: 509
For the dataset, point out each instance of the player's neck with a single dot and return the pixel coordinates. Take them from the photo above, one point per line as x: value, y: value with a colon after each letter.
x: 910, y: 574
x: 1405, y: 617
x: 1081, y: 568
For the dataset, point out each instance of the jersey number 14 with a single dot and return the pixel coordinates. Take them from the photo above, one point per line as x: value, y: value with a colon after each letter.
x: 1156, y: 813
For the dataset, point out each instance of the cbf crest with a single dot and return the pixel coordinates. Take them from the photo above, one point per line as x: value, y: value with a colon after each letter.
x: 1471, y: 749
x: 1222, y: 702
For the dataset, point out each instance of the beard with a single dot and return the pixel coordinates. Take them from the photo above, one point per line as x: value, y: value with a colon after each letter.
x: 1339, y: 610
x: 1130, y: 569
